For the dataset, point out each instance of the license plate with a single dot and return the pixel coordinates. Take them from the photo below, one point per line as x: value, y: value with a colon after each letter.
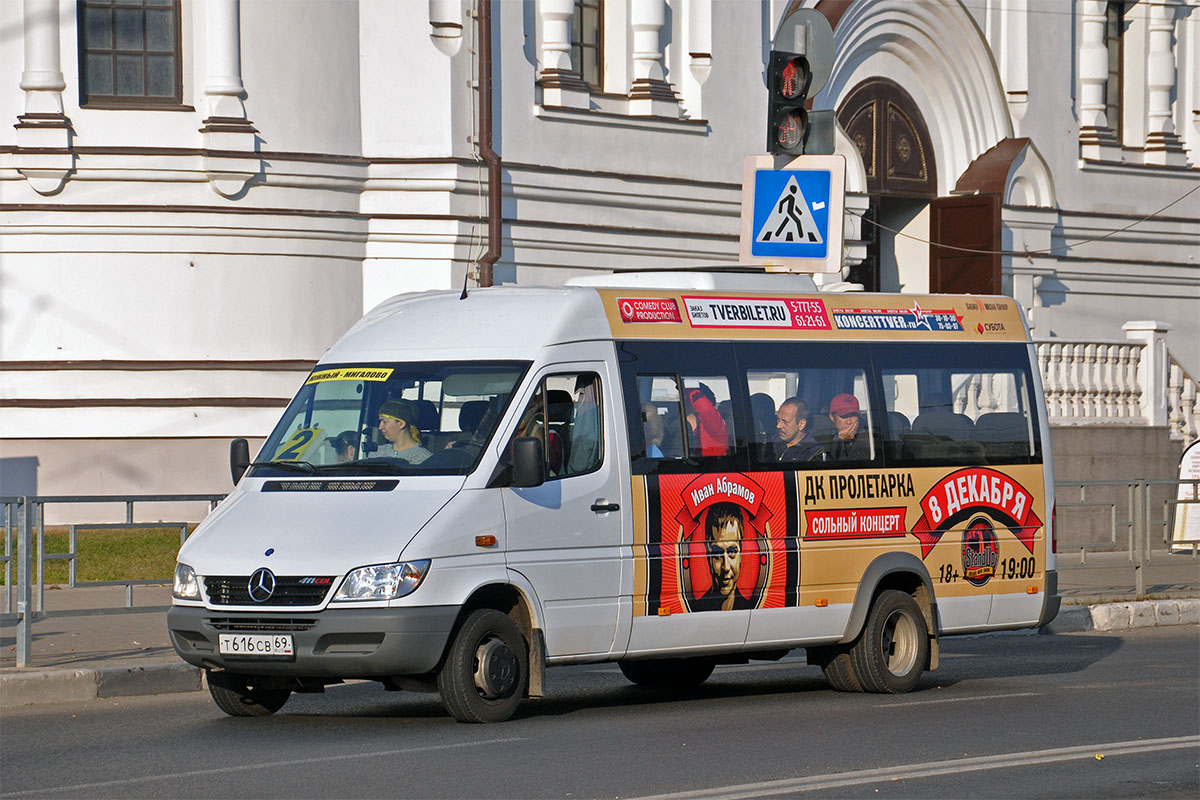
x: 255, y: 644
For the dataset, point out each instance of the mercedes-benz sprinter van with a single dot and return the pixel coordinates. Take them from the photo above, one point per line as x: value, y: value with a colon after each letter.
x: 665, y: 471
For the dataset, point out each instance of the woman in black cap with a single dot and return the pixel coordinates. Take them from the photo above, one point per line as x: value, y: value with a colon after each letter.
x: 397, y: 423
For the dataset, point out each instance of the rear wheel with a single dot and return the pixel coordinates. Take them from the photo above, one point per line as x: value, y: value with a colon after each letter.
x: 669, y: 673
x: 486, y: 670
x: 245, y: 695
x: 835, y: 663
x: 890, y: 654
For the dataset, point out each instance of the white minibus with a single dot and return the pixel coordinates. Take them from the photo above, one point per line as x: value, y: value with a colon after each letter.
x: 669, y: 471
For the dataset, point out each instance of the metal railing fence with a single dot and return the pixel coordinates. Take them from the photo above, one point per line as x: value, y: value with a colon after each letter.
x: 1134, y: 518
x: 1131, y: 517
x: 25, y: 525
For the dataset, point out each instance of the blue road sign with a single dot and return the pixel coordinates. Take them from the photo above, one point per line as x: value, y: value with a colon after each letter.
x: 791, y: 213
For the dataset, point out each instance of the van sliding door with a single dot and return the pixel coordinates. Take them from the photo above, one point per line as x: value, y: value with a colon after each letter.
x: 696, y: 571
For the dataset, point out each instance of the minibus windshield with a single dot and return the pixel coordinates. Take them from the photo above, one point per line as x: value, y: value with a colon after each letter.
x: 421, y: 418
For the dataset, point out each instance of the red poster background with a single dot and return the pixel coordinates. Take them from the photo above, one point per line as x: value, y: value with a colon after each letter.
x: 684, y: 505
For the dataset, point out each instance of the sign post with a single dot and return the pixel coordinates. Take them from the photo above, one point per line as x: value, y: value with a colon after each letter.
x: 792, y: 217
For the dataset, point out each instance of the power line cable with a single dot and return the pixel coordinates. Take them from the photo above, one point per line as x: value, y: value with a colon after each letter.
x: 1045, y: 251
x: 978, y: 7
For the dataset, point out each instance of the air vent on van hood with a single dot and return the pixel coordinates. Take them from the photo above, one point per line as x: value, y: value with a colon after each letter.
x: 340, y: 485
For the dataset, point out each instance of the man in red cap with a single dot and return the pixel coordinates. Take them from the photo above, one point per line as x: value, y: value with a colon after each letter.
x: 848, y: 444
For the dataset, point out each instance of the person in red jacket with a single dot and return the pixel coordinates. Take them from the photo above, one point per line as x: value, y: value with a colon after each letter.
x: 706, y: 428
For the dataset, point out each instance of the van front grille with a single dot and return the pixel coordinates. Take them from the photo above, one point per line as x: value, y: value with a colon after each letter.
x: 234, y: 590
x: 264, y: 624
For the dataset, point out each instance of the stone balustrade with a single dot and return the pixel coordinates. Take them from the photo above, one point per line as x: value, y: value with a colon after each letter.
x: 1134, y: 381
x: 1184, y: 403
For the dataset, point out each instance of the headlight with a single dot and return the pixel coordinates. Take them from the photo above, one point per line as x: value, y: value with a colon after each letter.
x: 382, y: 581
x: 186, y: 585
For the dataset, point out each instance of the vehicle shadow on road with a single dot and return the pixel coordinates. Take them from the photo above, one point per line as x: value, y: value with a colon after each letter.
x: 603, y: 687
x: 1018, y: 656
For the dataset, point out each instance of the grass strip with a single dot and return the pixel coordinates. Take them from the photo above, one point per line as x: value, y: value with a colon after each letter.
x: 109, y: 555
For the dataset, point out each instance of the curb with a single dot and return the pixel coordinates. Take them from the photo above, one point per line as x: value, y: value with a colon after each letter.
x: 66, y: 685
x: 1125, y: 616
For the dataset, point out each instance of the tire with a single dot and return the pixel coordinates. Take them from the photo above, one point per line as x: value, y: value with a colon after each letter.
x: 835, y: 663
x: 486, y: 670
x: 668, y: 673
x: 239, y: 696
x: 891, y: 652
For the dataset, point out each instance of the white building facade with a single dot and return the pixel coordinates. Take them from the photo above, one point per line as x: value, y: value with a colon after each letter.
x: 197, y: 197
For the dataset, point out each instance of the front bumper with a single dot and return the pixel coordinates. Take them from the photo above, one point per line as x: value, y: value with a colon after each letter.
x: 341, y: 643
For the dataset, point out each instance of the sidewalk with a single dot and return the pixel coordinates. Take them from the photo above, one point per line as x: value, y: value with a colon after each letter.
x: 89, y: 645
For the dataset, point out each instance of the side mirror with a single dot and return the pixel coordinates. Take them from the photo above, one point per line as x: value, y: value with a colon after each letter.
x: 528, y: 462
x: 239, y: 459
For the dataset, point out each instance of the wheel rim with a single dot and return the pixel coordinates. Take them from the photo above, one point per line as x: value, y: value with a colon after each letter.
x: 900, y: 644
x: 496, y: 669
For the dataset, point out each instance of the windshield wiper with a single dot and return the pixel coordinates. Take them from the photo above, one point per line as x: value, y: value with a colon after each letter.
x: 291, y: 466
x: 368, y: 465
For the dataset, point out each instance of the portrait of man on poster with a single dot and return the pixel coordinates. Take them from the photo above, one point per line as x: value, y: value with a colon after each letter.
x: 723, y: 529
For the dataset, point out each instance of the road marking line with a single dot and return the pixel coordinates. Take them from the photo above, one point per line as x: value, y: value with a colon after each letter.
x: 928, y: 769
x: 972, y: 698
x: 1161, y: 682
x: 265, y: 765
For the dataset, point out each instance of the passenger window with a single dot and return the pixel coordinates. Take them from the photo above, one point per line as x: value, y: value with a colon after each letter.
x: 811, y: 416
x: 564, y: 413
x: 957, y: 412
x: 662, y: 423
x: 685, y: 417
x: 683, y: 392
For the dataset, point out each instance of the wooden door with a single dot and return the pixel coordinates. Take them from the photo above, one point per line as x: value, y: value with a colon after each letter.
x: 971, y: 223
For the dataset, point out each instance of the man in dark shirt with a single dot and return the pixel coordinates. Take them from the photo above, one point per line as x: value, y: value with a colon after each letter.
x: 796, y: 442
x: 849, y: 442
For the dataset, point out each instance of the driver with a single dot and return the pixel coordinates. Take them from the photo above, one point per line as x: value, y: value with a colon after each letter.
x: 397, y: 423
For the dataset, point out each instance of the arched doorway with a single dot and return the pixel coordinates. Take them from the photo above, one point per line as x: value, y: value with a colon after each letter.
x: 887, y: 127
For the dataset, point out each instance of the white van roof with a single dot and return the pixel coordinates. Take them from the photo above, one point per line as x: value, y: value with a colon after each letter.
x: 516, y: 322
x: 500, y: 322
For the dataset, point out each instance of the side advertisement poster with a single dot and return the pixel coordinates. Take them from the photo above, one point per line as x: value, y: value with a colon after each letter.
x: 731, y: 540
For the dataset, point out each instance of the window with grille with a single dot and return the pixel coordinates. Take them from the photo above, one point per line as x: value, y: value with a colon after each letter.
x: 129, y: 53
x: 1114, y: 30
x: 587, y: 41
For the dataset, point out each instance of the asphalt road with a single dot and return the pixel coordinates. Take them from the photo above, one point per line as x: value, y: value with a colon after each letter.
x: 1020, y: 715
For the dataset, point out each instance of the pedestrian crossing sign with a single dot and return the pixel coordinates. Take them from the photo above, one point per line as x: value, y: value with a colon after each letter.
x: 791, y: 224
x: 792, y: 217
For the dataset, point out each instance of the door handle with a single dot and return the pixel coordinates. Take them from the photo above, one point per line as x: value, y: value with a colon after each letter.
x: 600, y: 506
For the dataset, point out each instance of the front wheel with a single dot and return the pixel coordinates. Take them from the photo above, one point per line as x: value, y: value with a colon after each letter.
x: 890, y: 654
x: 243, y: 695
x: 486, y: 669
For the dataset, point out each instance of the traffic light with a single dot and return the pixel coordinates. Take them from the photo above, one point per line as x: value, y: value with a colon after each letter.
x: 788, y: 81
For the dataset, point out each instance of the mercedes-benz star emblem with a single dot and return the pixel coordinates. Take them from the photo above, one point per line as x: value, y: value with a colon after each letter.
x: 261, y: 585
